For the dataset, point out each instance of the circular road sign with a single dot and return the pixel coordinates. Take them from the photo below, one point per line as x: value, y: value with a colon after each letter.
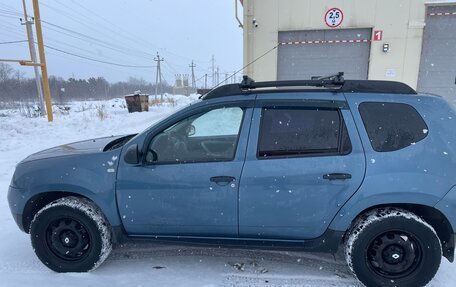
x: 334, y: 17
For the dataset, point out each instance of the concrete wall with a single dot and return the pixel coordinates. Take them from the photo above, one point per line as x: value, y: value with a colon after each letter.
x: 402, y: 22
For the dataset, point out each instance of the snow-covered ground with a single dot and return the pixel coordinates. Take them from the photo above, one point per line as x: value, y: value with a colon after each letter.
x: 144, y: 264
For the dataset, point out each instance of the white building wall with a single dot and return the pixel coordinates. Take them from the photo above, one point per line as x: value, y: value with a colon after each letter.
x: 402, y: 23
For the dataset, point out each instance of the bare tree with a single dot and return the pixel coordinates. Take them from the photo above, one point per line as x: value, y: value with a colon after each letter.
x: 6, y: 72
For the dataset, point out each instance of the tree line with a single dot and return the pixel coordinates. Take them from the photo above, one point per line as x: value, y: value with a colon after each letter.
x: 15, y: 87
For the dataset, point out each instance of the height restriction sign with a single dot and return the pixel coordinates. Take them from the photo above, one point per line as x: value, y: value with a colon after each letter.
x: 334, y: 17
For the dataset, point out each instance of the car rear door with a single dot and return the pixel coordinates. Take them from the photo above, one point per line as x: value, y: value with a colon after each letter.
x: 304, y: 161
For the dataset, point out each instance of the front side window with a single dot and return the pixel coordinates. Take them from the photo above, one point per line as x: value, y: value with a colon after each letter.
x: 205, y: 137
x: 302, y: 131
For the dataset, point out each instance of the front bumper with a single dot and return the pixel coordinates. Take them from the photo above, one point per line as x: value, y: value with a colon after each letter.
x: 16, y: 201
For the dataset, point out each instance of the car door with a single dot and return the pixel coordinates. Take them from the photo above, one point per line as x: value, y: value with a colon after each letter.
x: 188, y: 182
x: 304, y: 161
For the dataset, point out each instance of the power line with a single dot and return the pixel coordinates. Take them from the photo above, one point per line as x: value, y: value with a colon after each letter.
x: 8, y: 16
x: 13, y: 42
x: 117, y: 29
x: 96, y: 41
x: 96, y: 60
x: 243, y: 68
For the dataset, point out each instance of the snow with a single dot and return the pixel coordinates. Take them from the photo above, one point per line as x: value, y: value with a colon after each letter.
x: 145, y: 264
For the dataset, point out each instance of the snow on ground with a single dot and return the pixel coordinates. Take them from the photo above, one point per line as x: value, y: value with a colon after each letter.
x: 145, y: 264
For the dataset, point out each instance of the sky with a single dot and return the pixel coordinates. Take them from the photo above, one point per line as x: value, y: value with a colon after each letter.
x: 127, y: 33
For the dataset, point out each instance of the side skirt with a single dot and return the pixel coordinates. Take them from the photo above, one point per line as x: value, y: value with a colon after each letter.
x: 329, y: 242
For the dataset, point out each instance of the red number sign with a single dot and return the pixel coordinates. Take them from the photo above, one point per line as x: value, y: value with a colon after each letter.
x: 378, y: 35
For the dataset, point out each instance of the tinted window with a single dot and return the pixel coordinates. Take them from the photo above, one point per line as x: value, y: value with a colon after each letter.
x: 392, y: 126
x: 206, y: 137
x: 302, y: 131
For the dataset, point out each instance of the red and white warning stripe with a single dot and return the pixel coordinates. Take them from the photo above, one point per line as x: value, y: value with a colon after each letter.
x: 324, y: 42
x: 442, y: 14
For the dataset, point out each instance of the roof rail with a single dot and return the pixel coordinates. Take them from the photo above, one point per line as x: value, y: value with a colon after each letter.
x: 329, y: 81
x: 333, y: 83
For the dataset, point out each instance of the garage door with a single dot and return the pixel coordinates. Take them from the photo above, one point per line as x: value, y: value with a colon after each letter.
x: 303, y: 54
x: 438, y: 59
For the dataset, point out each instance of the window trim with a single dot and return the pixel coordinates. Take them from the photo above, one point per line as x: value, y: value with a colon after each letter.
x: 303, y: 154
x: 152, y: 135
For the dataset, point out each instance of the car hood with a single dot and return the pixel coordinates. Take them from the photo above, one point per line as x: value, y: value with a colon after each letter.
x: 81, y: 147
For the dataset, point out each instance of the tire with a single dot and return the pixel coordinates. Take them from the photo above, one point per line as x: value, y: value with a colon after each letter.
x: 393, y: 247
x: 71, y: 235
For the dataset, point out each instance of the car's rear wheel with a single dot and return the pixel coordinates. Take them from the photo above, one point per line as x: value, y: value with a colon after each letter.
x: 71, y: 235
x: 393, y: 247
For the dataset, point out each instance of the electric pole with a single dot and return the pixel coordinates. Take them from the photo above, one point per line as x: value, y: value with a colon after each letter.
x: 31, y: 41
x: 205, y: 81
x: 158, y: 78
x: 213, y: 71
x: 217, y: 77
x: 193, y: 66
x: 39, y: 37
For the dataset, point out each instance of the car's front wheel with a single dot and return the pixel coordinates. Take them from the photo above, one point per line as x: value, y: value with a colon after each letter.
x: 393, y: 247
x: 71, y: 235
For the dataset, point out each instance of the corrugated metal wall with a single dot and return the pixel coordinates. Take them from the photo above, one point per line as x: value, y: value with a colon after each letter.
x: 303, y: 60
x: 438, y: 60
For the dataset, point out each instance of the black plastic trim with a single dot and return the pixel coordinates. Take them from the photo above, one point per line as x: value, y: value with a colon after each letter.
x: 329, y: 242
x: 348, y: 86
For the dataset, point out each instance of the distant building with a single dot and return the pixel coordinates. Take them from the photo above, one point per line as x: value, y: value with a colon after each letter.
x: 181, y: 86
x: 412, y: 41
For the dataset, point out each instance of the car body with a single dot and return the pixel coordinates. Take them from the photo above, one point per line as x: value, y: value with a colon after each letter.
x: 231, y: 168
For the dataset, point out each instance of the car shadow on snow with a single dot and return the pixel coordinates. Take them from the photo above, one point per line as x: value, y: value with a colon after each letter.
x: 238, y: 267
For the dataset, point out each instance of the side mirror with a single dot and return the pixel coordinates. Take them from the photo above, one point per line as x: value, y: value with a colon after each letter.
x: 131, y: 155
x: 191, y: 130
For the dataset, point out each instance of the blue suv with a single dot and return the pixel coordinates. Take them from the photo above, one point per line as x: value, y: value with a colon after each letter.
x: 369, y: 166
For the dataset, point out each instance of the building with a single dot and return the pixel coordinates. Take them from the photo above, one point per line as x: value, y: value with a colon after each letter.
x: 412, y: 41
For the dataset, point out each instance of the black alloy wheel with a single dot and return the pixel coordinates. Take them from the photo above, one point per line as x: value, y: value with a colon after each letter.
x: 394, y: 254
x: 68, y: 239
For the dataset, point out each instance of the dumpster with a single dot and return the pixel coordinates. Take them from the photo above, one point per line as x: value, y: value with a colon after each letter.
x: 137, y: 103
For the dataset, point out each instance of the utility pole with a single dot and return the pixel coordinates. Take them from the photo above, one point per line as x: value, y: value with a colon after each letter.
x: 217, y: 77
x: 39, y: 36
x: 193, y: 66
x: 213, y: 71
x: 158, y: 78
x: 205, y: 81
x: 31, y: 41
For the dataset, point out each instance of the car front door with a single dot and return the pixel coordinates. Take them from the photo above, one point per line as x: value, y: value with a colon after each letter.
x: 188, y: 182
x: 304, y: 161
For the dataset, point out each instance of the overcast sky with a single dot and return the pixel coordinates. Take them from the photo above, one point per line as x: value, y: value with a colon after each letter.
x: 128, y: 32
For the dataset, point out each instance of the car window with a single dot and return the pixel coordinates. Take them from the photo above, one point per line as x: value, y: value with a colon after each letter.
x: 205, y: 137
x: 302, y: 131
x: 392, y: 126
x: 218, y: 122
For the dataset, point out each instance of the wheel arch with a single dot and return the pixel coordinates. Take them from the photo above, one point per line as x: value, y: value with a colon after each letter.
x: 430, y: 215
x: 38, y: 201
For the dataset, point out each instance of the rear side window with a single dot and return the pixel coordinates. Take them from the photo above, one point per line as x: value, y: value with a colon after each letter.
x: 392, y: 126
x: 302, y: 131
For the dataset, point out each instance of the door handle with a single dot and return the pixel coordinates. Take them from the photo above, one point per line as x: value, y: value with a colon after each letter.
x: 222, y: 179
x: 337, y: 176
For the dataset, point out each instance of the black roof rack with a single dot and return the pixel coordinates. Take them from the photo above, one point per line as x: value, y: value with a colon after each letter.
x: 334, y: 83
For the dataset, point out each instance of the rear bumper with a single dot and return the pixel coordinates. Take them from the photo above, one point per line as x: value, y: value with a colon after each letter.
x: 448, y: 249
